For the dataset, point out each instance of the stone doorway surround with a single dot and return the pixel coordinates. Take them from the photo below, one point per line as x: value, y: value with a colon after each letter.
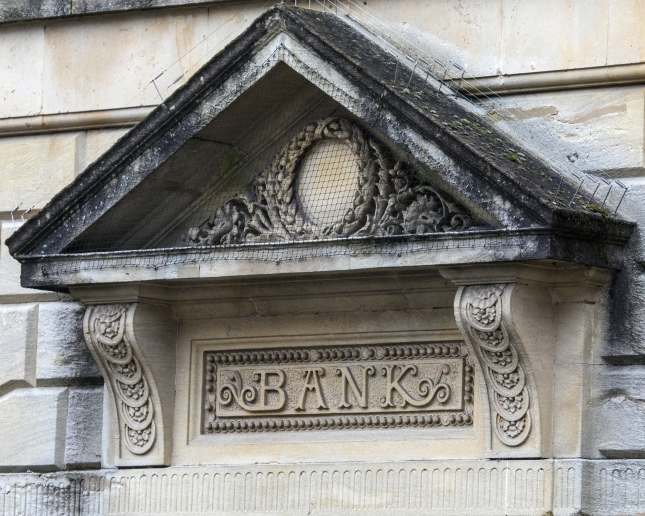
x: 426, y: 350
x: 161, y: 337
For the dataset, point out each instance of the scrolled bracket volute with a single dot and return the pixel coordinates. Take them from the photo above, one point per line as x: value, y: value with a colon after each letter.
x: 484, y: 315
x: 133, y: 348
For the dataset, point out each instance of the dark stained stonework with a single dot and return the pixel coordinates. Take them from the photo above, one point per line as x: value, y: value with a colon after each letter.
x: 540, y: 213
x: 29, y: 10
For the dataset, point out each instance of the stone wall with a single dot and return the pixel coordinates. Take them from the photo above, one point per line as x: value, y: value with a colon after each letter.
x: 73, y: 86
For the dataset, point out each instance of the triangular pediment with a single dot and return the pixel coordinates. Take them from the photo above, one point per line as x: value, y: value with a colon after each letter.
x: 295, y: 139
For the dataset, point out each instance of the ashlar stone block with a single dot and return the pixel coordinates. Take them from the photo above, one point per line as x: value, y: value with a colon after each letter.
x: 34, y: 168
x: 18, y: 336
x: 83, y: 428
x: 616, y: 413
x: 21, y: 85
x: 62, y: 353
x: 589, y: 130
x: 32, y: 428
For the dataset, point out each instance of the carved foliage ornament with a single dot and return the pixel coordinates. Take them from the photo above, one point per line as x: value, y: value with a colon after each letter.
x: 481, y: 307
x: 389, y: 199
x: 108, y: 333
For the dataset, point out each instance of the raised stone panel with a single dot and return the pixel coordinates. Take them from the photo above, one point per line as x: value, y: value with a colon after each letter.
x: 62, y: 353
x: 331, y: 388
x: 10, y: 289
x: 18, y: 336
x: 32, y: 428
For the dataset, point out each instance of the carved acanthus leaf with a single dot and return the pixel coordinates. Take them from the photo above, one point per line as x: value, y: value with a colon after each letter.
x: 389, y: 198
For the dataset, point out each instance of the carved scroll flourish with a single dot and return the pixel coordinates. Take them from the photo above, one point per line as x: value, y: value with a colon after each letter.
x: 482, y: 315
x: 335, y: 387
x: 110, y: 340
x: 389, y: 199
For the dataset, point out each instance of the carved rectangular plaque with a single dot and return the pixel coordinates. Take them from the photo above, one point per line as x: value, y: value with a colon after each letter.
x: 426, y: 384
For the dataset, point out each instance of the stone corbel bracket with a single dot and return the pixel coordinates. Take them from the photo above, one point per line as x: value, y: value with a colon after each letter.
x: 484, y: 317
x: 133, y: 345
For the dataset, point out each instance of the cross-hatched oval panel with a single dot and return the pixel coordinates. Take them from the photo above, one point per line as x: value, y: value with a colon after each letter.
x: 327, y: 182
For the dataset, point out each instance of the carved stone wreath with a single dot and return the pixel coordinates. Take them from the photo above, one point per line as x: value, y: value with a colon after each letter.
x: 389, y: 199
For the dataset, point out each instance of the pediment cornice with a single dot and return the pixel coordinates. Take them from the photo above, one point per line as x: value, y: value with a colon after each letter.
x: 528, y: 209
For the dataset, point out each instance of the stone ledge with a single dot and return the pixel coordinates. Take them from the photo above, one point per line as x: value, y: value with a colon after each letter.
x: 29, y: 10
x: 526, y: 487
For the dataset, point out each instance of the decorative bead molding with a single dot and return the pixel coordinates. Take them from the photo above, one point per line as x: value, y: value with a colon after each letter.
x: 482, y: 312
x: 439, y: 390
x: 389, y: 198
x: 109, y: 335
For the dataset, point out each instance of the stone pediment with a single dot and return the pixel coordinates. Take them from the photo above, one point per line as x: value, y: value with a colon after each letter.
x: 229, y: 169
x: 331, y: 180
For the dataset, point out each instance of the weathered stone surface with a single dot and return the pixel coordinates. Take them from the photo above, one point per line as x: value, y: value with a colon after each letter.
x: 507, y: 37
x: 588, y: 130
x: 18, y: 337
x: 626, y: 338
x: 10, y: 289
x: 91, y: 144
x: 487, y: 38
x: 83, y: 428
x: 15, y: 10
x: 34, y: 168
x: 163, y: 38
x: 534, y: 194
x: 21, y: 85
x: 62, y: 353
x: 32, y: 428
x: 604, y: 128
x: 616, y: 413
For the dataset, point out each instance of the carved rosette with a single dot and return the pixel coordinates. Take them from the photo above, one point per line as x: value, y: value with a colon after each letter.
x: 482, y: 316
x: 389, y: 198
x: 109, y: 335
